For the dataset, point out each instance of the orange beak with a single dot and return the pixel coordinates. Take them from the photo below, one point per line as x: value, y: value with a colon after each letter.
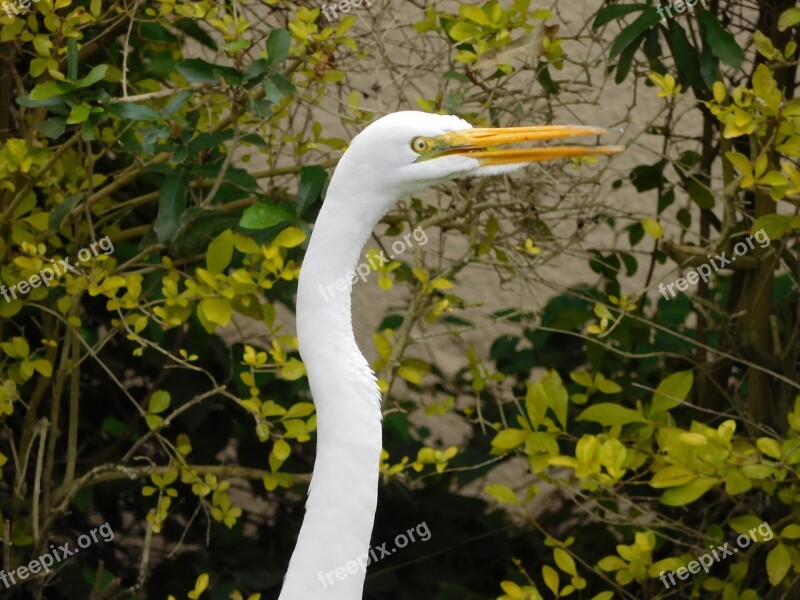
x: 480, y: 143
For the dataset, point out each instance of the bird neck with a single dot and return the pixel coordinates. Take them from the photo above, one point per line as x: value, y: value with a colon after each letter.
x: 342, y: 497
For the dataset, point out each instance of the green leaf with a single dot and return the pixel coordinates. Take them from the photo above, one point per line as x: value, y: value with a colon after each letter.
x: 96, y: 74
x: 774, y: 226
x: 609, y: 414
x: 54, y: 127
x: 278, y: 44
x: 72, y: 59
x: 312, y: 180
x: 59, y: 213
x: 171, y: 205
x: 626, y: 58
x: 778, y: 563
x: 723, y: 45
x: 211, y: 139
x: 687, y: 493
x: 263, y: 215
x: 177, y: 103
x: 672, y: 391
x: 194, y: 31
x: 255, y: 72
x: 159, y: 402
x: 633, y: 32
x: 617, y: 11
x: 48, y: 89
x: 79, y: 114
x: 133, y: 111
x: 197, y: 70
x: 698, y: 192
x: 686, y: 57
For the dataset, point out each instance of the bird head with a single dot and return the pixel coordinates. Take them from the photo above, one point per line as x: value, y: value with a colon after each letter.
x: 407, y: 151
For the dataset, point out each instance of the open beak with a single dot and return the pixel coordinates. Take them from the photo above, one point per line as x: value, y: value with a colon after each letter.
x: 481, y: 143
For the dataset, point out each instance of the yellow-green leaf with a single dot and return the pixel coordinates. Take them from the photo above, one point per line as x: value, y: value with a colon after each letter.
x: 508, y: 439
x: 778, y: 563
x: 289, y: 238
x: 502, y: 493
x: 609, y: 414
x: 159, y: 402
x: 687, y: 493
x: 281, y: 449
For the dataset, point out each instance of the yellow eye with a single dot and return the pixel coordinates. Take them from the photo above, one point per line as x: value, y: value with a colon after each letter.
x: 421, y: 144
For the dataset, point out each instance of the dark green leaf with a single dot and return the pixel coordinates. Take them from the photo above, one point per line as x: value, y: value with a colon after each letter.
x: 171, y: 205
x: 455, y: 75
x: 285, y: 87
x: 133, y: 111
x: 201, y: 227
x: 72, y: 59
x: 52, y: 102
x: 546, y: 81
x: 635, y: 234
x: 686, y: 61
x: 197, y: 70
x: 312, y: 180
x: 700, y: 193
x: 59, y: 213
x: 278, y: 44
x: 626, y: 58
x: 665, y: 200
x: 633, y: 32
x: 709, y: 66
x: 648, y: 177
x: 263, y: 215
x: 630, y: 264
x: 271, y: 92
x: 194, y: 31
x: 255, y: 72
x: 617, y: 11
x: 157, y: 32
x: 177, y: 103
x: 54, y: 127
x: 722, y: 43
x: 255, y: 139
x: 205, y: 141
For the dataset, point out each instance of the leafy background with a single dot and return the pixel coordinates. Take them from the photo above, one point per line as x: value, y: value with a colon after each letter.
x: 561, y: 427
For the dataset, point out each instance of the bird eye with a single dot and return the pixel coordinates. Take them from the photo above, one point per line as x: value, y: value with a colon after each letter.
x: 420, y: 144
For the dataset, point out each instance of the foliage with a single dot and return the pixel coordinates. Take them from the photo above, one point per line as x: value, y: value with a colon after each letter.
x: 156, y: 385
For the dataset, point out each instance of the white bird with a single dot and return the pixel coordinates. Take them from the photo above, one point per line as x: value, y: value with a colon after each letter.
x: 396, y: 155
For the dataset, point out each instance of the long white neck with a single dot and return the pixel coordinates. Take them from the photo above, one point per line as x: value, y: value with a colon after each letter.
x: 340, y: 510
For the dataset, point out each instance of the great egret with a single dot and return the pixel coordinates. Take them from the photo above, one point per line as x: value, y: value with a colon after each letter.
x: 396, y: 155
